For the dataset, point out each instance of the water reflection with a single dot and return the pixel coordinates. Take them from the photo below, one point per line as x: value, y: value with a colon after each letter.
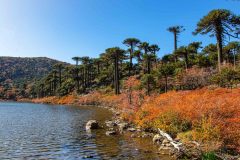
x: 37, y: 131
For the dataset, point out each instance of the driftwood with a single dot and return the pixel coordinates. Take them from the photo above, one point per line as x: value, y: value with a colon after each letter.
x: 169, y: 138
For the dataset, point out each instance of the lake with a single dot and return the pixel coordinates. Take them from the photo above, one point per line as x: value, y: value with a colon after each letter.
x: 39, y: 131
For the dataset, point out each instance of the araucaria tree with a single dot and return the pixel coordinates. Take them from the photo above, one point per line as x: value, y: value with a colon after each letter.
x: 132, y: 43
x: 219, y: 23
x: 116, y: 54
x: 76, y: 59
x: 59, y: 67
x: 176, y: 30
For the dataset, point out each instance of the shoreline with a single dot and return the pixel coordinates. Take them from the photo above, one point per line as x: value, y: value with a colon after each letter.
x: 191, y: 148
x: 116, y: 124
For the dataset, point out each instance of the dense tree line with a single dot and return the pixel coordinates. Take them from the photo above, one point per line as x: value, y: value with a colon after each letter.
x: 17, y: 75
x: 187, y: 67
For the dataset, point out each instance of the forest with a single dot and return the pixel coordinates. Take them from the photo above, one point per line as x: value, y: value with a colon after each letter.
x: 17, y: 74
x: 191, y: 93
x: 188, y: 67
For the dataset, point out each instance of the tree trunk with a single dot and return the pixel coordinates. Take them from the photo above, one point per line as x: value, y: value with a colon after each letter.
x: 54, y: 83
x: 175, y: 41
x: 234, y: 58
x: 116, y: 75
x: 219, y: 47
x: 175, y: 45
x: 131, y: 64
x: 148, y: 65
x: 166, y: 84
x: 60, y: 77
x: 186, y: 59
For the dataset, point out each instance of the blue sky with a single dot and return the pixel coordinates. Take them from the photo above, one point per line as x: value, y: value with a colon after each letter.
x: 61, y: 29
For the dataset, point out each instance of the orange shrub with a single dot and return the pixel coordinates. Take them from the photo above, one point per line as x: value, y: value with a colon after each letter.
x: 209, y: 113
x: 68, y: 99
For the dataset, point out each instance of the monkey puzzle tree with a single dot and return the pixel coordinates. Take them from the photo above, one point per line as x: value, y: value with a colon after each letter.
x: 232, y: 49
x: 210, y: 51
x: 154, y: 49
x: 54, y: 72
x: 116, y: 54
x: 59, y: 67
x: 145, y: 47
x: 76, y: 59
x: 148, y: 82
x: 219, y: 23
x: 176, y: 30
x: 85, y: 63
x: 132, y: 43
x: 194, y: 47
x: 147, y: 56
x: 184, y: 52
x: 165, y: 71
x: 97, y: 63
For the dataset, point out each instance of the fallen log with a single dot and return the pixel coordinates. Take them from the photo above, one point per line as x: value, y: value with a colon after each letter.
x: 169, y: 138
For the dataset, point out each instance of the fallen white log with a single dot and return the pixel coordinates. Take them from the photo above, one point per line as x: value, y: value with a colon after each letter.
x: 168, y: 137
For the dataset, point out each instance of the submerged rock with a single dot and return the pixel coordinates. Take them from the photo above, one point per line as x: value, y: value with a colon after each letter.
x: 165, y: 141
x: 87, y: 156
x: 117, y: 113
x: 110, y: 123
x: 111, y: 132
x: 123, y: 126
x: 133, y: 135
x: 158, y: 139
x: 92, y: 124
x: 145, y: 134
x: 131, y: 129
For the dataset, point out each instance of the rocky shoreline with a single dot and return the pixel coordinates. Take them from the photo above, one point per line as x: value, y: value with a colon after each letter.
x: 166, y: 144
x: 117, y: 126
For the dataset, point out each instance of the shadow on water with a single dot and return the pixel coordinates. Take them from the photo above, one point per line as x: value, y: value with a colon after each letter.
x: 37, y: 131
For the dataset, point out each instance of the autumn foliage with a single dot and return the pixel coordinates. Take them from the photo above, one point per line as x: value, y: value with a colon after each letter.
x: 208, y: 116
x: 205, y: 115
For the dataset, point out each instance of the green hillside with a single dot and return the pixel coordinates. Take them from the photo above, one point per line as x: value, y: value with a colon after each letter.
x: 17, y: 73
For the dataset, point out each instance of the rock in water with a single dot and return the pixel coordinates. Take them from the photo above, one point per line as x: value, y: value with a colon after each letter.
x: 92, y: 124
x: 131, y: 129
x: 112, y: 132
x: 110, y: 123
x: 157, y: 139
x: 165, y: 141
x: 123, y: 126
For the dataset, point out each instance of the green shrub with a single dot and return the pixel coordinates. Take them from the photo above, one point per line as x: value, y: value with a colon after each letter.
x: 228, y: 77
x: 209, y: 156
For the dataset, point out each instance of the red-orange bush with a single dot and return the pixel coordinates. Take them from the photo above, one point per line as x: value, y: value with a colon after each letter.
x: 178, y: 111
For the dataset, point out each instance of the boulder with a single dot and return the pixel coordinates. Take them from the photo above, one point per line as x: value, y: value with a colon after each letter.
x: 92, y: 124
x: 164, y: 150
x: 87, y: 156
x: 131, y: 129
x: 110, y: 123
x: 165, y: 141
x: 133, y: 135
x: 117, y: 113
x: 117, y: 121
x: 123, y: 126
x: 146, y: 134
x: 111, y: 132
x: 157, y: 139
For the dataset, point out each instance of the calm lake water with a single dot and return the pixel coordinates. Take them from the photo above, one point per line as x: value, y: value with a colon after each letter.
x: 38, y: 131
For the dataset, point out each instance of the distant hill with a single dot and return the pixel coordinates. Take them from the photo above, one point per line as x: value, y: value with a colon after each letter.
x: 16, y: 71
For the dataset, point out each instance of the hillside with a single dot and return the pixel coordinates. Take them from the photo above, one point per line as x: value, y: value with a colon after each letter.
x: 18, y: 72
